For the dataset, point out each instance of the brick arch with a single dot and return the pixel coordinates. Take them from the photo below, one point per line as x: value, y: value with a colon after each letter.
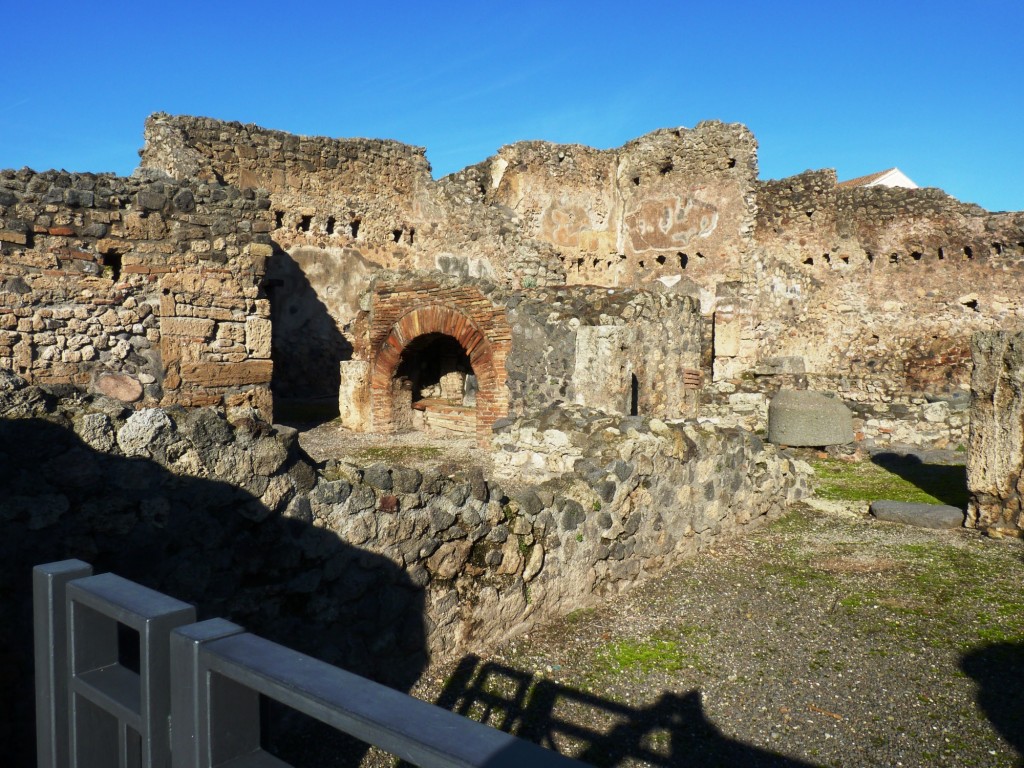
x: 486, y: 356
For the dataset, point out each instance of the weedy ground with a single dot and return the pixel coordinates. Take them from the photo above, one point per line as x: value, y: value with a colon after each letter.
x: 823, y: 638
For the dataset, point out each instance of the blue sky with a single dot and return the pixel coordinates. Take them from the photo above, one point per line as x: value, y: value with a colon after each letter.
x: 936, y: 88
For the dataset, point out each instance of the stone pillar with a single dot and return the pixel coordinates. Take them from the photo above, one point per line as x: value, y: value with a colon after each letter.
x: 354, y: 395
x: 995, y: 458
x: 603, y: 372
x: 401, y: 405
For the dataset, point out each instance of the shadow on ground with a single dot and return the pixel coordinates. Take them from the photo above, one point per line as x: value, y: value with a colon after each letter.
x: 946, y: 482
x: 998, y: 669
x: 673, y: 731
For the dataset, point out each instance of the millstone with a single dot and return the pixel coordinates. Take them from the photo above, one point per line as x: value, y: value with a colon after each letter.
x: 802, y: 418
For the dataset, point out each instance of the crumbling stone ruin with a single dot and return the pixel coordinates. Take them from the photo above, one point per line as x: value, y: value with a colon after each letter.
x: 995, y: 462
x: 610, y: 324
x: 871, y: 293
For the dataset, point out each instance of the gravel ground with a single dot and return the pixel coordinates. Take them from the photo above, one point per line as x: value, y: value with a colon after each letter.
x: 825, y: 638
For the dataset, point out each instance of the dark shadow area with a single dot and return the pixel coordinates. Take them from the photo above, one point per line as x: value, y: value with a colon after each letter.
x: 946, y: 482
x: 673, y: 731
x: 306, y: 346
x: 206, y: 542
x: 998, y: 669
x: 428, y: 360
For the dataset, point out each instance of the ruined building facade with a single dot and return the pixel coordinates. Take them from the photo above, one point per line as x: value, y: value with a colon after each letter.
x: 661, y: 278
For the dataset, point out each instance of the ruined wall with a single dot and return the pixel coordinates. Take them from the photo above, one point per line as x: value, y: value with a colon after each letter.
x: 622, y: 351
x: 872, y: 294
x: 669, y: 204
x: 143, y: 288
x: 876, y: 290
x: 995, y: 459
x: 371, y: 567
x: 374, y: 196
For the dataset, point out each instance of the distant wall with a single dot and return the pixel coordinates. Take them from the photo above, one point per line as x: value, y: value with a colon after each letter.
x: 877, y: 290
x: 995, y: 459
x: 673, y: 202
x: 371, y: 196
x: 140, y: 287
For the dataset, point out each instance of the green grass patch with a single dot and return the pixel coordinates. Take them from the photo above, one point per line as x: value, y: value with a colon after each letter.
x: 899, y: 480
x: 646, y: 655
x: 670, y: 649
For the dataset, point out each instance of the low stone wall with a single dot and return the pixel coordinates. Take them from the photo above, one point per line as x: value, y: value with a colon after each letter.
x: 938, y: 421
x: 995, y: 459
x: 373, y: 567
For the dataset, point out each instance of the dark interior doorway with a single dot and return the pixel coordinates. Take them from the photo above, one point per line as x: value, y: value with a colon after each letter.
x: 439, y: 369
x: 307, y: 347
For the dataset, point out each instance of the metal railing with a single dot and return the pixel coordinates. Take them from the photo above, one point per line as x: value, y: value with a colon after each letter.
x: 125, y: 677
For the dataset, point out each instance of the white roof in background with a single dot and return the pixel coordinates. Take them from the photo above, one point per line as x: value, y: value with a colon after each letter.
x: 892, y: 177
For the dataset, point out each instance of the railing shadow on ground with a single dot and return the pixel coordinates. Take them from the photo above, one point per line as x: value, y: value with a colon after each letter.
x: 998, y: 669
x: 946, y: 482
x: 202, y: 541
x: 672, y: 732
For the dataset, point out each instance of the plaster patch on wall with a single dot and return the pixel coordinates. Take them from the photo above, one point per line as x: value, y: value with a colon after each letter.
x: 658, y: 223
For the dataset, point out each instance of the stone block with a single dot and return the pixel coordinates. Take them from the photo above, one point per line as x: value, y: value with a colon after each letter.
x: 728, y: 327
x: 192, y: 327
x: 119, y: 386
x: 803, y: 418
x: 921, y: 515
x: 227, y: 374
x: 354, y: 395
x: 18, y: 238
x: 258, y: 337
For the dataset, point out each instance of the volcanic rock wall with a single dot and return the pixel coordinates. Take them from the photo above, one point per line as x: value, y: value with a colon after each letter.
x: 995, y: 459
x: 143, y: 288
x: 372, y: 567
x: 624, y: 351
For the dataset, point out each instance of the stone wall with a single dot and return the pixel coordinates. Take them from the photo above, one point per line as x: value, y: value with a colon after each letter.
x: 624, y: 351
x: 371, y: 196
x: 142, y: 288
x: 869, y: 293
x: 878, y: 289
x: 371, y: 567
x: 939, y: 421
x: 671, y: 203
x: 995, y: 459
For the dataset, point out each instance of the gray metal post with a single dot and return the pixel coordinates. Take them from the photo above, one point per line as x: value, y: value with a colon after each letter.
x: 51, y: 658
x: 113, y: 710
x: 190, y: 711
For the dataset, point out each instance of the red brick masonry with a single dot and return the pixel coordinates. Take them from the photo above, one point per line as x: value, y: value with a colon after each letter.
x: 404, y: 312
